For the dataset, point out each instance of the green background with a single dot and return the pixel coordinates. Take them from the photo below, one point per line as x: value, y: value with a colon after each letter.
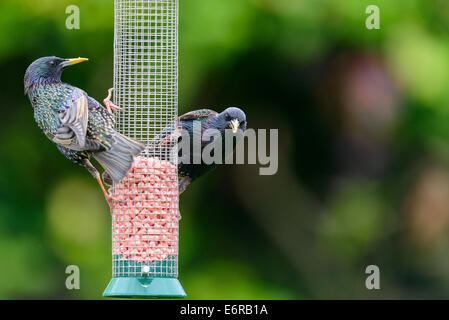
x: 363, y: 119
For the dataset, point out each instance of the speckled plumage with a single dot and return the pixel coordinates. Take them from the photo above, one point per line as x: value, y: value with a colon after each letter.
x: 186, y: 121
x: 208, y: 119
x: 49, y: 99
x: 77, y: 123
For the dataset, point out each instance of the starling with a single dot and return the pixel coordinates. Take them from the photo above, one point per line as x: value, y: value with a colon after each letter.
x: 231, y: 118
x: 79, y: 125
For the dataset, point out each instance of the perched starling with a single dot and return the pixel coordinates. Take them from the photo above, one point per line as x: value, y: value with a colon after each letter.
x: 79, y: 125
x: 231, y: 118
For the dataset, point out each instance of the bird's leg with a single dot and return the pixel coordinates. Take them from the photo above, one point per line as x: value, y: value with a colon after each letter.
x: 108, y: 103
x: 175, y: 135
x: 94, y: 172
x: 109, y: 198
x: 185, y: 181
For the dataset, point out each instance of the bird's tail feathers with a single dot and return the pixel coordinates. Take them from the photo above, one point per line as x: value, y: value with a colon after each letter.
x: 118, y: 160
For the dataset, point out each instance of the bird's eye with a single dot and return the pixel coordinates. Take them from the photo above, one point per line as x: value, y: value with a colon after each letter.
x: 52, y: 62
x: 227, y: 117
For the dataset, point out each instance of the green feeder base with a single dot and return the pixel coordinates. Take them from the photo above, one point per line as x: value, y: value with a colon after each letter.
x: 144, y: 287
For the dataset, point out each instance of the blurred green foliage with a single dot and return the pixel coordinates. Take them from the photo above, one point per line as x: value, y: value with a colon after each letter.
x: 363, y: 153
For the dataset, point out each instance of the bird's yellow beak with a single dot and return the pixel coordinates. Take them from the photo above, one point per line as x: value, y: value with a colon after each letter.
x: 71, y: 62
x: 235, y: 125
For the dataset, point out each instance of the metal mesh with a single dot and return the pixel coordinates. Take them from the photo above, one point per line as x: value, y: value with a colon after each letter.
x: 145, y: 215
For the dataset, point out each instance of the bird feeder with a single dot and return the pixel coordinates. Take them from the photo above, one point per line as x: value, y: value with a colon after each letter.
x: 145, y: 211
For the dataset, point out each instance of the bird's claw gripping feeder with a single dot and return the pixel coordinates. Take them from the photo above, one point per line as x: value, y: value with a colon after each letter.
x: 144, y: 209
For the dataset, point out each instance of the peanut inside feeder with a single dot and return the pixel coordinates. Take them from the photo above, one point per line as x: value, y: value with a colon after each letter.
x: 145, y: 213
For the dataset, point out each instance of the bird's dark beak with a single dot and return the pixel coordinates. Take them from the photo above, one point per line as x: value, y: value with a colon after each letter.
x: 235, y: 125
x: 71, y: 62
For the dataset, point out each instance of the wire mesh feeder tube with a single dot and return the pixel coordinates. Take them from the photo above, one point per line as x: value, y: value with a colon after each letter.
x: 145, y: 211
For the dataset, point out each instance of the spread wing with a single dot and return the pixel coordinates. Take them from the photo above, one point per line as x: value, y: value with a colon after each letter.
x: 161, y: 145
x: 197, y: 114
x: 73, y: 118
